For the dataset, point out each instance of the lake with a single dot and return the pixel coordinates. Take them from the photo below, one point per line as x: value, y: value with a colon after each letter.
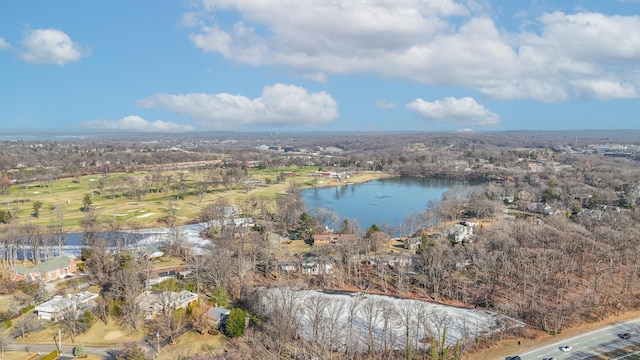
x: 380, y: 201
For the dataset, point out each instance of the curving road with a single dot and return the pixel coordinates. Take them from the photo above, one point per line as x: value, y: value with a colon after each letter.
x: 593, y: 343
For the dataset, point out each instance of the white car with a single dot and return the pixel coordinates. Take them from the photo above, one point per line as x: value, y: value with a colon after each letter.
x: 565, y: 348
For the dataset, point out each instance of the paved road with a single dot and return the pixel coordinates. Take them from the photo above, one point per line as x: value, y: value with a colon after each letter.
x: 593, y: 343
x: 66, y: 349
x: 101, y: 352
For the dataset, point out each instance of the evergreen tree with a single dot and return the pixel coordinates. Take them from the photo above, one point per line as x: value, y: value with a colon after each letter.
x: 220, y: 297
x: 235, y: 323
x: 42, y: 294
x: 371, y: 230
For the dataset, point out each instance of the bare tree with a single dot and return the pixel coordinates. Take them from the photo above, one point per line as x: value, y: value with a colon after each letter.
x: 171, y: 325
x: 101, y: 309
x: 407, y: 311
x: 315, y: 311
x: 5, y: 339
x: 72, y: 323
x: 371, y: 311
x: 25, y: 325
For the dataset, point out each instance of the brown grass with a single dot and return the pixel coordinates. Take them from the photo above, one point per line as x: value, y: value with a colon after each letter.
x: 192, y: 343
x: 99, y: 335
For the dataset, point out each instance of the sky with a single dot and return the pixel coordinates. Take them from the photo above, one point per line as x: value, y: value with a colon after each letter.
x: 319, y: 65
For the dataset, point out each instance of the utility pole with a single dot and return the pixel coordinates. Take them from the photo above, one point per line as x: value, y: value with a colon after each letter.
x: 158, y: 338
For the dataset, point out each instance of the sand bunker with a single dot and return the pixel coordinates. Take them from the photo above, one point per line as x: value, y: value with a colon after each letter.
x: 145, y: 215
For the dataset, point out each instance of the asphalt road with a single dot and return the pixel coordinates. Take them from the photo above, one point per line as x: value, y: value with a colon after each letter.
x: 590, y: 344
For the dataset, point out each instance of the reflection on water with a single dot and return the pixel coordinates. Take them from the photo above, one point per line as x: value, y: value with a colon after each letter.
x: 381, y: 201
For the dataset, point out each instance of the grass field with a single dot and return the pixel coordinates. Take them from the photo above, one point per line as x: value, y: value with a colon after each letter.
x: 192, y: 343
x: 62, y: 200
x: 98, y: 335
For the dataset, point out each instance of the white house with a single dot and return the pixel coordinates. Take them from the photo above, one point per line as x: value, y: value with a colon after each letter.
x: 462, y: 231
x: 312, y: 267
x: 158, y: 302
x: 53, y: 310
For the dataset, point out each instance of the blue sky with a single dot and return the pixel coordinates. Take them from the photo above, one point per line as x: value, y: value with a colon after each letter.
x: 310, y: 65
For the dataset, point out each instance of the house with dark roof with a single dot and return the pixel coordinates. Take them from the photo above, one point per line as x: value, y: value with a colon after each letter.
x: 45, y: 271
x: 413, y: 243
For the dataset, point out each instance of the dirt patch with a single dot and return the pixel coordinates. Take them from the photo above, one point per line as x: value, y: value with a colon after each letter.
x: 112, y: 335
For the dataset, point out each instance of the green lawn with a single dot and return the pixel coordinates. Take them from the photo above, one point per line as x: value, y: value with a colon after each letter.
x: 62, y: 201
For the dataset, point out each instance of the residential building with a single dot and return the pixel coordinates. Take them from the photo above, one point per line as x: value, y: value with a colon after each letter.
x: 147, y: 253
x: 333, y: 238
x: 53, y: 310
x: 154, y: 303
x: 462, y: 231
x: 217, y: 315
x: 413, y: 243
x: 314, y: 266
x: 45, y: 271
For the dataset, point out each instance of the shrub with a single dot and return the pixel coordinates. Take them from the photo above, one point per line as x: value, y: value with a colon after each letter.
x: 79, y: 351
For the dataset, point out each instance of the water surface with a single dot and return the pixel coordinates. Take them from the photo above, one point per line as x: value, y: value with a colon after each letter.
x: 380, y: 201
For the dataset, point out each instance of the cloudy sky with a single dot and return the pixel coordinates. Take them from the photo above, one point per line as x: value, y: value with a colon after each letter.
x: 319, y: 65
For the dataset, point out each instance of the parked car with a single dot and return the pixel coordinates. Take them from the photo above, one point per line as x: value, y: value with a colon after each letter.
x: 566, y: 348
x: 517, y: 357
x: 625, y: 336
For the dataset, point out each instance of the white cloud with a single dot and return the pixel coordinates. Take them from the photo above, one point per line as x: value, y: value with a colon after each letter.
x: 443, y: 42
x: 465, y: 111
x: 384, y: 104
x: 135, y: 123
x: 605, y: 89
x: 278, y: 105
x: 51, y: 46
x: 3, y: 44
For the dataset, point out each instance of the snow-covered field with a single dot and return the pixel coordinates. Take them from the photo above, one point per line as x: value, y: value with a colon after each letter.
x: 343, y: 320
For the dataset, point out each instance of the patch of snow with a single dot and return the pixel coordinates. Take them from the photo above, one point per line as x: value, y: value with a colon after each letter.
x: 385, y: 318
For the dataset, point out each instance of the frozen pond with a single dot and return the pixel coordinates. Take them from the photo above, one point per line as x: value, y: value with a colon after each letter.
x: 356, y: 321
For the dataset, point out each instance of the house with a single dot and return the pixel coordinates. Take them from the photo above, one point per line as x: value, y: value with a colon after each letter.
x: 462, y: 231
x: 313, y: 266
x: 398, y: 261
x: 333, y: 238
x: 217, y: 315
x: 45, y: 271
x: 53, y: 310
x: 288, y: 266
x: 540, y: 208
x: 147, y: 253
x: 154, y: 303
x: 413, y: 243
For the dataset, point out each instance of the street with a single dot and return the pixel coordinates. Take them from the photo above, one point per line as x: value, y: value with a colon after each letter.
x: 590, y: 344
